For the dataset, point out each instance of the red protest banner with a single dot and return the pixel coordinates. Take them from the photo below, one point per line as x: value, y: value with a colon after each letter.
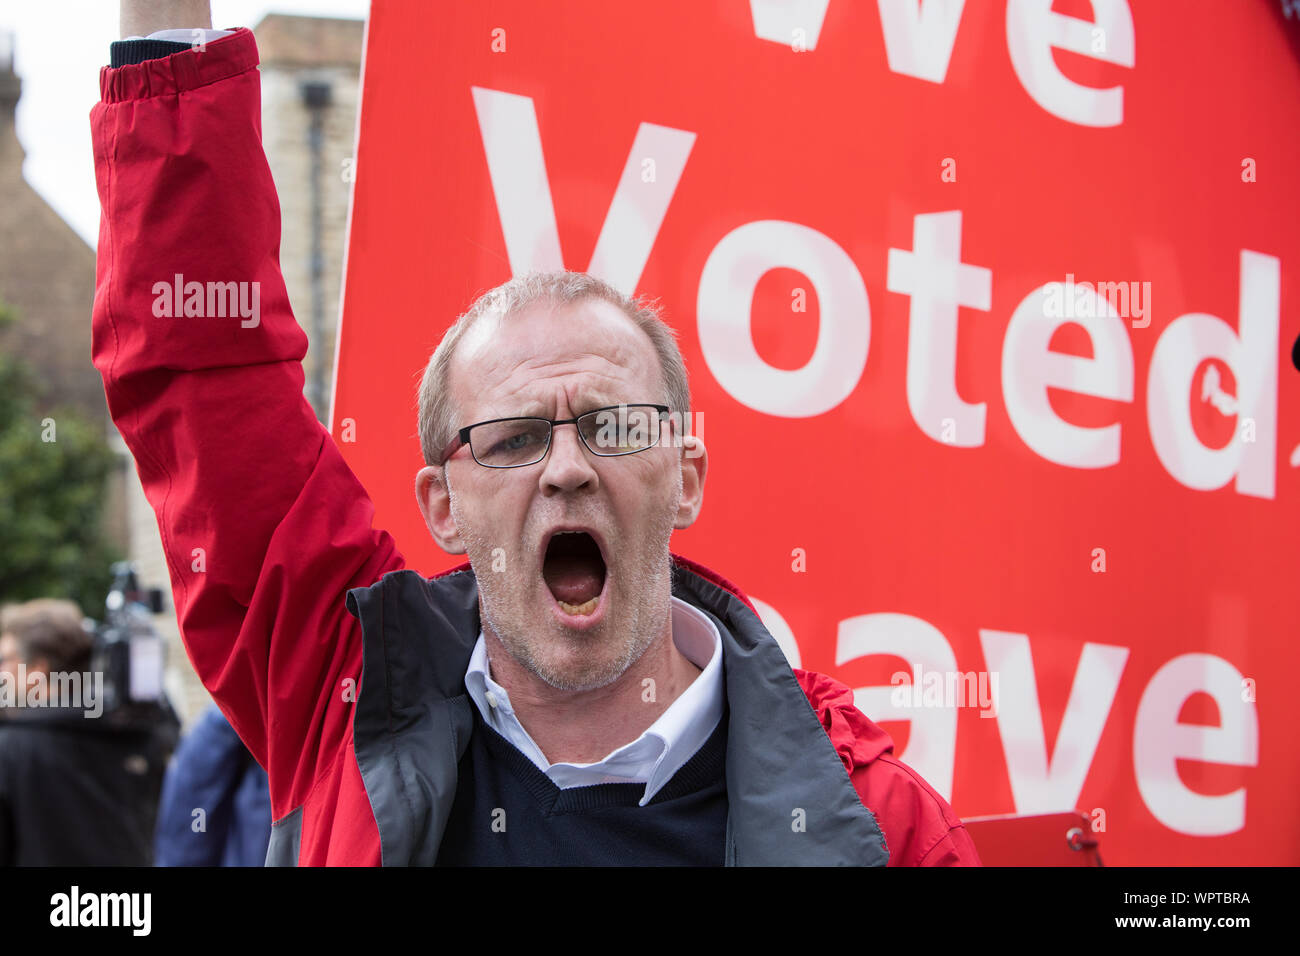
x: 986, y: 308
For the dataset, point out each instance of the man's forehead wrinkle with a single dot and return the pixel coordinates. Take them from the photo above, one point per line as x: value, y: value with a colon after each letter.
x: 534, y: 394
x: 602, y: 360
x: 526, y: 385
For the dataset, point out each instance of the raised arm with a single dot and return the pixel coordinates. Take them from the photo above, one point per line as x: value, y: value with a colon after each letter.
x: 143, y: 17
x: 264, y: 526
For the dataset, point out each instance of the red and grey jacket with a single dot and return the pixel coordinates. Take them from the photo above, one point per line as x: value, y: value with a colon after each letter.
x: 343, y: 672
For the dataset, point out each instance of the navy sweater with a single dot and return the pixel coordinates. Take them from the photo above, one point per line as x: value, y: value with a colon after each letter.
x: 508, y: 813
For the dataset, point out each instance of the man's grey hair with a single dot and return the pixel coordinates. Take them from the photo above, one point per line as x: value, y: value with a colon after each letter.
x: 438, y: 422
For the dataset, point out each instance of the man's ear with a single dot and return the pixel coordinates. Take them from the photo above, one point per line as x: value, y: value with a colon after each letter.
x: 435, y: 504
x: 694, y: 462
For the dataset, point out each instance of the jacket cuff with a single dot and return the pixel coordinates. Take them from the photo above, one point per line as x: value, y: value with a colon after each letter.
x: 180, y: 71
x: 126, y: 52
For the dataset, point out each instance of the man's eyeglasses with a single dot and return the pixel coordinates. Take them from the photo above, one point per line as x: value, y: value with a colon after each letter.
x: 514, y: 442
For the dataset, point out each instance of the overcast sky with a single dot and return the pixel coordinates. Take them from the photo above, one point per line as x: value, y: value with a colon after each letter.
x: 58, y: 51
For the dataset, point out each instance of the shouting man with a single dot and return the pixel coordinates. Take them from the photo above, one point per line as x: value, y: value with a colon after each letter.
x: 575, y: 693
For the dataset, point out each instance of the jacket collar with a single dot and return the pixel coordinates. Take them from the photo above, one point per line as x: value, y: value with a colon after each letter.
x: 790, y: 799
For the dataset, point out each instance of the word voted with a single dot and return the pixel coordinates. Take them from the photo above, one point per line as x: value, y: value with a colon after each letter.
x: 1043, y: 783
x: 938, y: 284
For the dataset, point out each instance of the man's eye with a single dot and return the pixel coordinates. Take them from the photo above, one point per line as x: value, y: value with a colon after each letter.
x: 515, y: 442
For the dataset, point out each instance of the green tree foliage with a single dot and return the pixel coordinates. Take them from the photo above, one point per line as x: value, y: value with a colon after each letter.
x: 51, y: 497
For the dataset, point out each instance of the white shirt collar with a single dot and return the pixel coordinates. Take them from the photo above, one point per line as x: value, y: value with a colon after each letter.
x: 664, y: 747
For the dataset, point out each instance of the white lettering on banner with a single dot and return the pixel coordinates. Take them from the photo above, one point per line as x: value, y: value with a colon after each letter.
x: 938, y: 282
x: 1033, y: 29
x: 637, y: 211
x: 1040, y: 785
x: 1030, y: 368
x: 723, y: 310
x: 919, y: 40
x: 776, y: 20
x: 517, y: 168
x: 779, y: 629
x: 932, y: 740
x: 920, y: 35
x: 1160, y: 741
x: 1037, y: 784
x: 1251, y: 353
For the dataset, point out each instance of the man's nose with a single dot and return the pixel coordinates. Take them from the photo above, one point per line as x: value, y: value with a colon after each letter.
x: 568, y: 463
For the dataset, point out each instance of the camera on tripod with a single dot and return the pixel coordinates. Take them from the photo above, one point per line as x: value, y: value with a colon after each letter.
x: 129, y: 651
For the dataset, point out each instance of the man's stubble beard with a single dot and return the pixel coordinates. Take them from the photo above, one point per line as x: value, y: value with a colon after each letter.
x: 645, y: 585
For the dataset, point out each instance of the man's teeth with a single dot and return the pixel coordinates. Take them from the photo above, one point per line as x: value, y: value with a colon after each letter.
x: 583, y: 609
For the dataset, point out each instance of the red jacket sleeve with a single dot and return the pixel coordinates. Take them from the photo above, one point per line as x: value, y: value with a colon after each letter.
x: 264, y: 526
x: 919, y: 826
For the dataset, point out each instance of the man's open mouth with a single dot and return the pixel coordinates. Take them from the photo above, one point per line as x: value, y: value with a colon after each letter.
x: 574, y: 570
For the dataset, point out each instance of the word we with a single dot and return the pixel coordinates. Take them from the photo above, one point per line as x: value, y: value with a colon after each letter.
x: 211, y: 300
x: 919, y: 39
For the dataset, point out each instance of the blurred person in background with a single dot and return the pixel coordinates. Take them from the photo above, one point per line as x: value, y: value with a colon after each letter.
x: 76, y: 788
x: 216, y: 801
